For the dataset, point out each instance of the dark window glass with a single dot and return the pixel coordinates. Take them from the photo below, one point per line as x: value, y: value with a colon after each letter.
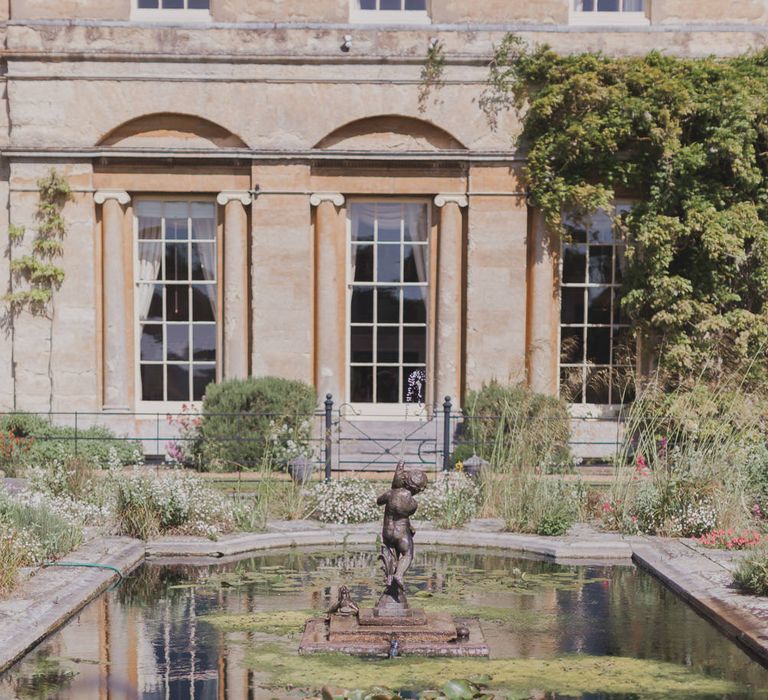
x: 416, y: 5
x: 391, y: 4
x: 173, y: 4
x: 624, y: 349
x: 388, y: 263
x: 599, y: 345
x: 597, y: 386
x: 361, y: 339
x: 608, y: 5
x: 203, y: 261
x: 198, y: 4
x: 361, y: 379
x: 415, y: 344
x: 177, y: 302
x: 363, y: 216
x: 202, y: 376
x: 389, y: 217
x: 388, y: 344
x: 415, y: 397
x: 588, y: 5
x: 600, y: 262
x: 572, y: 345
x: 388, y: 304
x: 176, y: 262
x: 363, y: 262
x: 617, y: 315
x: 203, y: 302
x: 414, y: 305
x: 387, y: 389
x: 622, y: 385
x: 572, y: 305
x: 571, y: 385
x: 178, y: 342
x: 152, y: 382
x: 415, y: 263
x: 178, y: 382
x: 599, y: 300
x: 176, y: 230
x: 362, y: 305
x: 204, y: 342
x: 574, y: 263
x: 415, y: 222
x: 367, y: 4
x: 152, y: 342
x: 148, y: 4
x: 149, y: 228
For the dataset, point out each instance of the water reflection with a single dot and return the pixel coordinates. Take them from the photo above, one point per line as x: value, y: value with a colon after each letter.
x: 150, y: 638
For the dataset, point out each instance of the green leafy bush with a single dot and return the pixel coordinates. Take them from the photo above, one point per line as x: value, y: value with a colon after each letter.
x: 752, y: 573
x: 543, y: 506
x: 450, y: 501
x: 45, y: 442
x: 263, y: 417
x: 512, y: 426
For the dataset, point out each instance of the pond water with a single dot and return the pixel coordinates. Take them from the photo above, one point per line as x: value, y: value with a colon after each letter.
x: 231, y: 632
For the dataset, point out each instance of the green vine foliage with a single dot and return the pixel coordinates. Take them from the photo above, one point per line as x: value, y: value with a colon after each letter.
x: 432, y: 72
x: 38, y: 269
x: 687, y: 139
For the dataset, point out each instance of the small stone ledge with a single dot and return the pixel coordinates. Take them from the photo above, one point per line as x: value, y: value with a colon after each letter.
x: 54, y: 594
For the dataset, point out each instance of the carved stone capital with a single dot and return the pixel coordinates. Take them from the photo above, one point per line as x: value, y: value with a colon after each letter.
x: 319, y: 197
x: 101, y: 196
x: 442, y: 199
x: 230, y: 195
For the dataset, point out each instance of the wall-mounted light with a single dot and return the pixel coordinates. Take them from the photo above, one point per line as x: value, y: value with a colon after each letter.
x: 347, y: 45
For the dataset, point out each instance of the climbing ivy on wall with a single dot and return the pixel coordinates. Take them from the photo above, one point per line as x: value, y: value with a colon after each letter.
x: 688, y: 140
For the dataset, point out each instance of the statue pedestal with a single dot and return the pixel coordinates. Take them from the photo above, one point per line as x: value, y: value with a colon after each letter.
x: 372, y: 634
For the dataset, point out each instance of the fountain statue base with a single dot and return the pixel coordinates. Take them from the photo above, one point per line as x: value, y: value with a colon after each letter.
x: 373, y: 631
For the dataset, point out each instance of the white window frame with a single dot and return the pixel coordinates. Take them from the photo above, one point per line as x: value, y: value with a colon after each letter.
x: 381, y: 409
x: 171, y: 406
x: 358, y: 16
x: 603, y: 18
x: 158, y: 14
x: 584, y: 408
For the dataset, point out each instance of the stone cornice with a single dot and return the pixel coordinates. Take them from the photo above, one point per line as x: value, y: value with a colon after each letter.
x: 101, y: 196
x: 318, y: 198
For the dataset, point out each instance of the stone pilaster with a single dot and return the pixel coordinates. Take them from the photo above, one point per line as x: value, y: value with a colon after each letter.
x: 329, y: 300
x: 235, y: 321
x: 449, y: 297
x: 117, y: 378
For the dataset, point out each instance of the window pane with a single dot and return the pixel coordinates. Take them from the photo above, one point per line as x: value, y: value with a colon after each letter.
x: 624, y: 349
x: 389, y: 217
x: 600, y: 262
x: 203, y: 222
x: 362, y: 263
x: 202, y: 376
x: 388, y: 304
x: 587, y: 5
x: 388, y: 263
x: 388, y: 345
x: 361, y: 380
x: 150, y: 260
x: 148, y: 4
x: 598, y: 383
x: 414, y: 304
x: 178, y: 342
x: 362, y: 305
x: 149, y: 228
x: 608, y: 5
x: 572, y: 346
x: 173, y: 4
x: 176, y: 263
x: 574, y: 263
x: 204, y: 342
x: 571, y: 384
x: 599, y: 301
x: 150, y: 301
x: 415, y: 263
x: 367, y: 5
x: 415, y: 222
x: 601, y: 227
x: 178, y: 382
x: 572, y: 305
x: 198, y: 4
x: 391, y: 4
x: 415, y: 344
x: 152, y: 382
x: 177, y: 302
x: 361, y: 340
x: 152, y: 343
x: 363, y: 216
x: 387, y: 389
x: 617, y: 315
x: 416, y: 5
x: 599, y: 345
x: 203, y: 261
x: 203, y: 302
x: 633, y: 6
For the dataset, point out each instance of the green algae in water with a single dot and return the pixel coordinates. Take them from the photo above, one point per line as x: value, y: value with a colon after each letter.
x: 275, y: 622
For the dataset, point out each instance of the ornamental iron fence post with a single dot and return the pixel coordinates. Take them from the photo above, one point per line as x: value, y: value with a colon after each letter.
x: 447, y: 406
x: 328, y: 434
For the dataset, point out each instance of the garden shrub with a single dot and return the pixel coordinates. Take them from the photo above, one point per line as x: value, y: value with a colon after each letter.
x: 752, y: 573
x: 512, y: 426
x: 543, y: 506
x: 269, y: 418
x: 345, y: 501
x: 450, y: 501
x: 148, y: 504
x: 45, y: 442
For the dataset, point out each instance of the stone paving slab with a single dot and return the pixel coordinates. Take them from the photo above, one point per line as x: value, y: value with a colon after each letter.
x: 52, y: 595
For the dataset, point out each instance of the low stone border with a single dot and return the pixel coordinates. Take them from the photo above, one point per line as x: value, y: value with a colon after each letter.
x: 53, y: 595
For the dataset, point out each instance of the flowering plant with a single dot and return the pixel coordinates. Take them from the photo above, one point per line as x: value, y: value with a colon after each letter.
x: 187, y: 423
x: 288, y: 442
x: 450, y: 501
x: 344, y: 501
x: 730, y: 539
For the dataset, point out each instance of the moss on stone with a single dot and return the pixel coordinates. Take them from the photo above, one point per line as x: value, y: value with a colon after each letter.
x: 278, y: 622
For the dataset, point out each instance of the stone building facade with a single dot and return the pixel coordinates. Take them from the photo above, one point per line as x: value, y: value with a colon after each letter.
x: 259, y: 191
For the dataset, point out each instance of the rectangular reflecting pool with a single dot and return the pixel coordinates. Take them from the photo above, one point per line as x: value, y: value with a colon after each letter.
x: 231, y: 631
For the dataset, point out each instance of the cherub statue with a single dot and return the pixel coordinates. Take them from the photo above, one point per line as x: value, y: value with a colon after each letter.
x: 344, y: 605
x: 397, y: 532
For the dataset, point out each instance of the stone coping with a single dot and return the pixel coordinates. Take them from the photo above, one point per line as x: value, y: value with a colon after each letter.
x: 52, y: 595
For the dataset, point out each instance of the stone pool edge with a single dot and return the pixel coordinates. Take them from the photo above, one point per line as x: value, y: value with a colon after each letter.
x: 52, y: 596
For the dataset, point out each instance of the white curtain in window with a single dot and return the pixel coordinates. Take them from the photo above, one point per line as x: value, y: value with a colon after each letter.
x: 416, y: 222
x: 150, y: 261
x: 633, y: 5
